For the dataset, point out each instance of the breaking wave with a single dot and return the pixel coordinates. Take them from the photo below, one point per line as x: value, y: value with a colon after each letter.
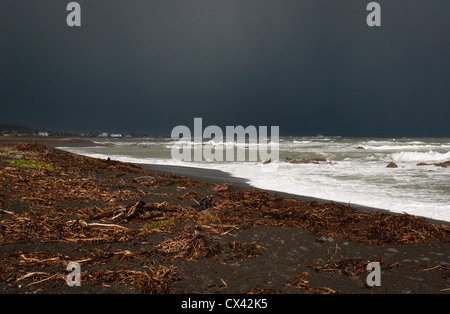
x: 430, y: 156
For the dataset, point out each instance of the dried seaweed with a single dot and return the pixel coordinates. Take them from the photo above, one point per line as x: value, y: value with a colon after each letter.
x: 304, y: 285
x: 190, y: 247
x: 138, y: 211
x: 79, y: 179
x: 348, y: 266
x: 331, y: 219
x: 195, y: 246
x: 83, y: 202
x: 158, y: 281
x: 204, y: 203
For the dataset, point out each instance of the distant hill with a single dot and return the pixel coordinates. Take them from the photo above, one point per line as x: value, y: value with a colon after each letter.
x: 14, y: 128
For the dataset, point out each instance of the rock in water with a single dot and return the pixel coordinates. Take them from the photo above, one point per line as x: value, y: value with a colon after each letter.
x: 392, y: 165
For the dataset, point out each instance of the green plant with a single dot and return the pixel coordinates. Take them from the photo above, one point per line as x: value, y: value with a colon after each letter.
x: 29, y: 163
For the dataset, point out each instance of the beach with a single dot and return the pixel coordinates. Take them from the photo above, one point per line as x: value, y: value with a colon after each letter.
x: 173, y: 230
x: 396, y: 175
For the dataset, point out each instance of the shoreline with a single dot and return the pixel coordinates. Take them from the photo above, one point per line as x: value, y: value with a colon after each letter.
x: 221, y: 177
x: 51, y: 141
x: 135, y: 230
x: 200, y: 174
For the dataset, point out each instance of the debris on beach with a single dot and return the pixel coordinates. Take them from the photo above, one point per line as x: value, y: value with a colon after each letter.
x: 331, y: 219
x: 305, y: 286
x: 131, y: 228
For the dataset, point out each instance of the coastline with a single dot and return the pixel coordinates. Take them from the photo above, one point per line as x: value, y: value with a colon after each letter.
x: 51, y: 141
x: 200, y: 174
x: 139, y: 231
x: 221, y: 177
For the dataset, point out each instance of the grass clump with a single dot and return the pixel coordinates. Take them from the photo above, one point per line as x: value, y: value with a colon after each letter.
x: 29, y: 163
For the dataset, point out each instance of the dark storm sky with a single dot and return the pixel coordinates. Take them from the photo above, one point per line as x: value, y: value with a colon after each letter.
x: 309, y: 66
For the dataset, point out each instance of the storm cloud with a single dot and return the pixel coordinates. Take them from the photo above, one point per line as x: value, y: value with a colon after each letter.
x: 308, y: 66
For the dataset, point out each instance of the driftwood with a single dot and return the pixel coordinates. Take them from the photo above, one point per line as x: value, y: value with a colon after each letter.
x: 85, y: 203
x: 140, y: 210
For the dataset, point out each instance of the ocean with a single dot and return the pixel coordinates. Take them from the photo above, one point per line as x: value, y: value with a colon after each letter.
x: 344, y: 169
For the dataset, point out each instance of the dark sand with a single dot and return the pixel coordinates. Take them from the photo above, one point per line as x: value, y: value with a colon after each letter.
x: 203, y: 175
x: 220, y: 177
x: 141, y: 231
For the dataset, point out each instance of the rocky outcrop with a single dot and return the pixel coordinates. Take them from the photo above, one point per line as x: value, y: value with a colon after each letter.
x: 444, y: 164
x: 306, y: 161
